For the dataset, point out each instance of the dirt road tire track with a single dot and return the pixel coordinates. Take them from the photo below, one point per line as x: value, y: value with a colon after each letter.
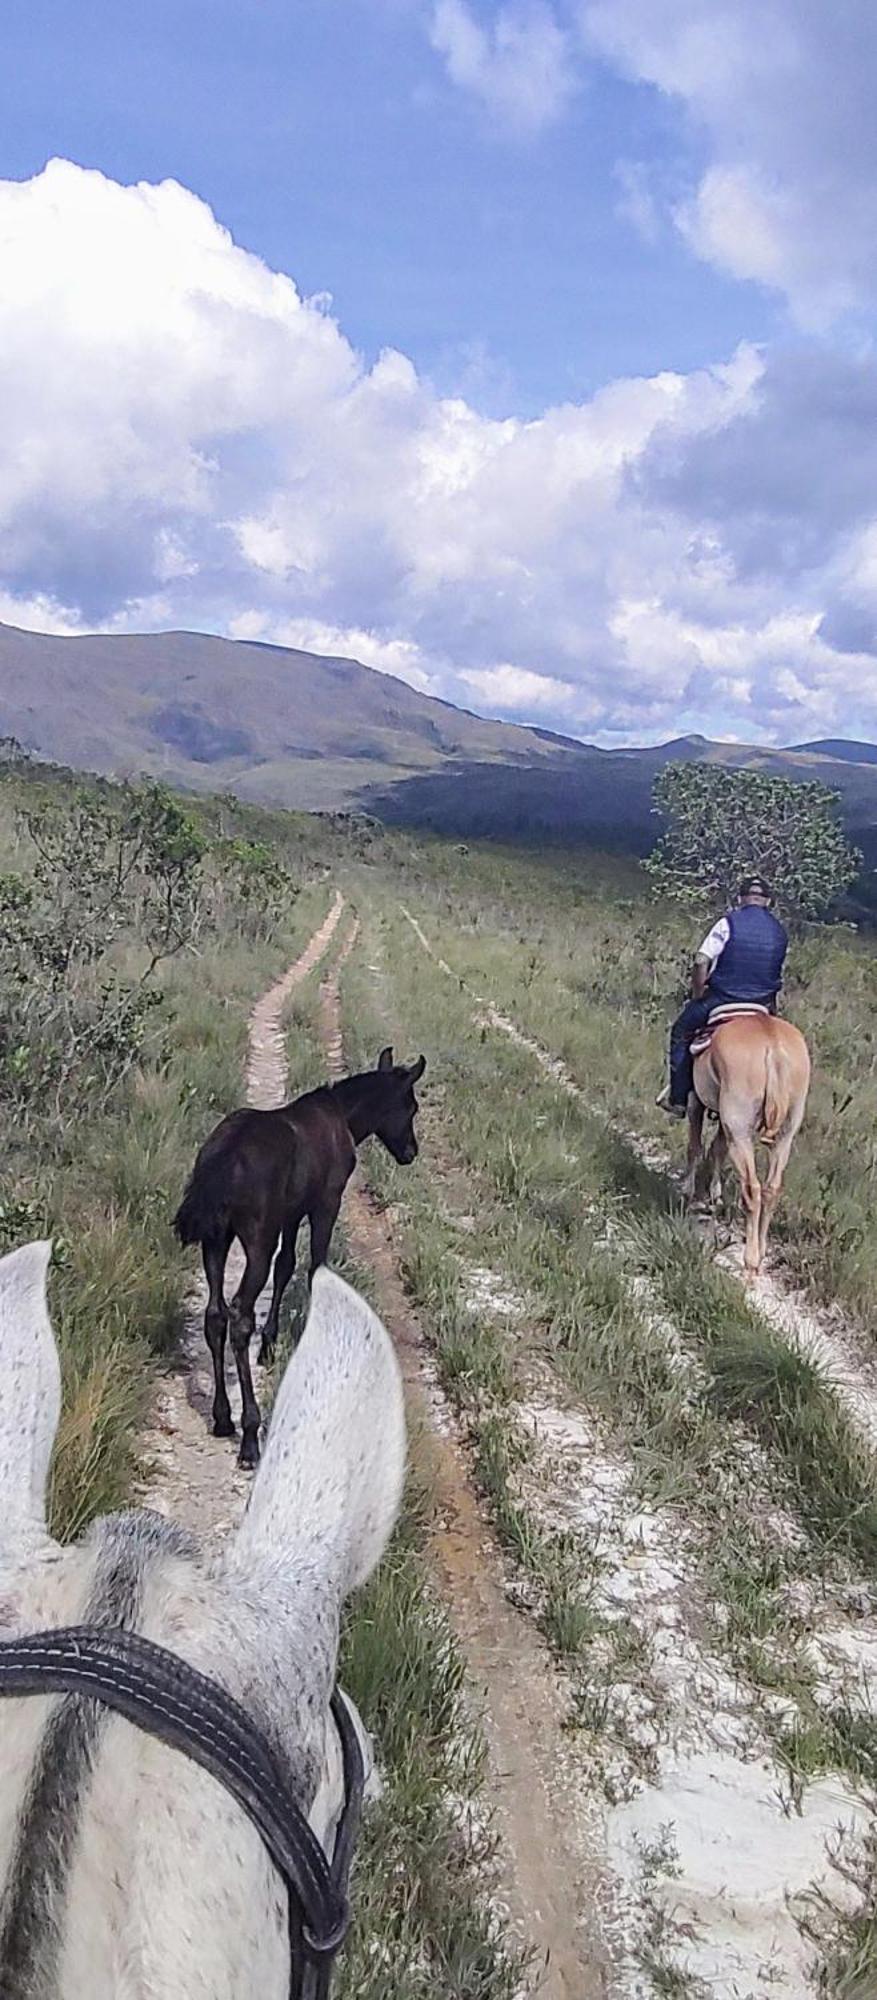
x: 554, y: 1876
x: 187, y: 1473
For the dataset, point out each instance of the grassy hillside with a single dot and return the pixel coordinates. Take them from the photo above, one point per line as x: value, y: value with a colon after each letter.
x: 270, y: 723
x: 301, y: 730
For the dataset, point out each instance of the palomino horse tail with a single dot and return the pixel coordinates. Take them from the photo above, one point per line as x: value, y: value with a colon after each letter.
x: 775, y: 1109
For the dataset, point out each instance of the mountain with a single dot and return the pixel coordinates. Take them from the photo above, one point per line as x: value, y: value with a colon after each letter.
x: 277, y: 725
x: 843, y: 747
x: 291, y: 728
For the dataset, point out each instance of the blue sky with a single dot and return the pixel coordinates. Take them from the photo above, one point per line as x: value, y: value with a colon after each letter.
x: 326, y: 135
x: 600, y: 340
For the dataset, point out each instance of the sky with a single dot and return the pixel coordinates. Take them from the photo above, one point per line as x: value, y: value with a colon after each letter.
x: 525, y: 350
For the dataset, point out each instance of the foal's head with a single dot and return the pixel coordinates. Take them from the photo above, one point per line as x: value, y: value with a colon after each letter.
x: 397, y: 1106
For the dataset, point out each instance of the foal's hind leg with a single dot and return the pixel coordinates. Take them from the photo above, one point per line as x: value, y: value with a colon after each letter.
x: 215, y: 1256
x: 284, y: 1265
x: 242, y: 1326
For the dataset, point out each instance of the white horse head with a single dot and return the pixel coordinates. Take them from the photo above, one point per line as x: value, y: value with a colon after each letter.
x: 126, y: 1870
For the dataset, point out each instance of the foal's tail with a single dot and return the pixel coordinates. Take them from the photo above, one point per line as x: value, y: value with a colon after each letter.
x: 204, y: 1210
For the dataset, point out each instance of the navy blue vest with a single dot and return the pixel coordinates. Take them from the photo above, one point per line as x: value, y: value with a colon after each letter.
x: 751, y: 965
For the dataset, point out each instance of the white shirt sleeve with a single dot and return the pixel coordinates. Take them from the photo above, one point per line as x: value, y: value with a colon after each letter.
x: 715, y: 941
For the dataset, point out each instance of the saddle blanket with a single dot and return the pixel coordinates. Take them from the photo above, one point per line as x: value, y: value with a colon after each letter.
x: 719, y: 1016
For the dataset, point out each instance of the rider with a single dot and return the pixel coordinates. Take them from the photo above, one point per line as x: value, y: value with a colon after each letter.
x: 740, y: 959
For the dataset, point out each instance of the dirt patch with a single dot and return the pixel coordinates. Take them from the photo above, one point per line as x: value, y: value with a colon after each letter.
x: 550, y: 1837
x: 188, y: 1474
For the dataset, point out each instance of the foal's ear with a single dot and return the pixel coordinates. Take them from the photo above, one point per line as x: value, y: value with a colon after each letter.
x: 328, y: 1489
x: 30, y: 1395
x: 385, y: 1059
x: 416, y: 1071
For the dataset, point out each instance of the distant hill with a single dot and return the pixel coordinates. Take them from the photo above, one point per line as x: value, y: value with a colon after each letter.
x: 309, y: 730
x: 842, y: 747
x: 277, y: 725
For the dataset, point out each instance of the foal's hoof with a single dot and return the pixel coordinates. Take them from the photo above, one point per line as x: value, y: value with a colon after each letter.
x: 223, y: 1427
x: 248, y: 1456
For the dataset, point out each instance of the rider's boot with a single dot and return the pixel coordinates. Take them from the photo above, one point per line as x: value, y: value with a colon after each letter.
x: 665, y: 1103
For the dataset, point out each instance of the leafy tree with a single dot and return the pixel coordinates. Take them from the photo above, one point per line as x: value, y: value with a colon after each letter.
x: 723, y: 823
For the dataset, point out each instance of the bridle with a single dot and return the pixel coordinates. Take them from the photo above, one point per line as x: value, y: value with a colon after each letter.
x: 169, y: 1699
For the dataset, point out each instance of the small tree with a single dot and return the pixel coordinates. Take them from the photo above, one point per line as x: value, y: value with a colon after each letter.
x: 724, y: 823
x: 252, y: 889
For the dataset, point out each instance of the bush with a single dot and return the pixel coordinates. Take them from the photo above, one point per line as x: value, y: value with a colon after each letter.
x: 111, y: 892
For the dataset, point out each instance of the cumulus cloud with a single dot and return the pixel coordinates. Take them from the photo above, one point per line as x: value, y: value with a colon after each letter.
x: 188, y: 441
x: 520, y: 68
x: 779, y: 95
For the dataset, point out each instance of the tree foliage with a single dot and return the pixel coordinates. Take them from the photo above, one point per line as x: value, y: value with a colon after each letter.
x: 723, y: 823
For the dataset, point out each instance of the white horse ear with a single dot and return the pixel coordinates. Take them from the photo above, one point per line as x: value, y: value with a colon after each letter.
x: 328, y: 1489
x: 30, y: 1395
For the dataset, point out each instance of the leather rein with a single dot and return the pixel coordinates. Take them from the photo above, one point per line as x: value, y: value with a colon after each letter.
x: 167, y: 1698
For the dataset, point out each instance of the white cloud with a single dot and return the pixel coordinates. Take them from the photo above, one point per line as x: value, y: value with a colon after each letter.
x: 187, y: 441
x: 779, y: 95
x: 518, y: 691
x: 520, y: 67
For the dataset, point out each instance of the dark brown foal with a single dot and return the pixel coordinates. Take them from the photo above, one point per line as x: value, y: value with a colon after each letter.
x: 257, y: 1177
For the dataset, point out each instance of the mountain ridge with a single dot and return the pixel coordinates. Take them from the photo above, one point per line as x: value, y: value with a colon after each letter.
x: 282, y: 726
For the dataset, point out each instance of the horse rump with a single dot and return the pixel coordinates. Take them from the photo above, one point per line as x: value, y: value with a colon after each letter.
x: 204, y: 1210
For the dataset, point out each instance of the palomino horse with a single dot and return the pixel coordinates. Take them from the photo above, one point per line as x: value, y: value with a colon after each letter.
x: 125, y: 1869
x: 755, y: 1075
x: 256, y: 1177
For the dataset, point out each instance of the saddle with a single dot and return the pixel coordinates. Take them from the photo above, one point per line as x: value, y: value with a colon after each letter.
x: 730, y: 1011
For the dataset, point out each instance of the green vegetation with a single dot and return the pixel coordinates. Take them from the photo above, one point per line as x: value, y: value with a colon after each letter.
x: 723, y: 824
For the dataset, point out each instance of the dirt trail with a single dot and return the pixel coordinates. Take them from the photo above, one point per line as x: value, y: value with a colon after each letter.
x: 551, y: 1840
x: 844, y: 1358
x: 187, y: 1473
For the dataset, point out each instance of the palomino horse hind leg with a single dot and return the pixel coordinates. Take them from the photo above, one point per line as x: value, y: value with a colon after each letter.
x: 284, y: 1265
x: 773, y: 1180
x: 695, y: 1145
x: 742, y: 1153
x: 716, y: 1158
x: 215, y: 1257
x: 242, y: 1326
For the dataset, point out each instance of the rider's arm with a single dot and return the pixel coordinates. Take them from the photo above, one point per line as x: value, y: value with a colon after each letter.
x: 707, y: 957
x: 700, y: 973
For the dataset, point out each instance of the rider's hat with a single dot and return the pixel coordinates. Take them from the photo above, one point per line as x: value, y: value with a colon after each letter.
x: 755, y: 885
